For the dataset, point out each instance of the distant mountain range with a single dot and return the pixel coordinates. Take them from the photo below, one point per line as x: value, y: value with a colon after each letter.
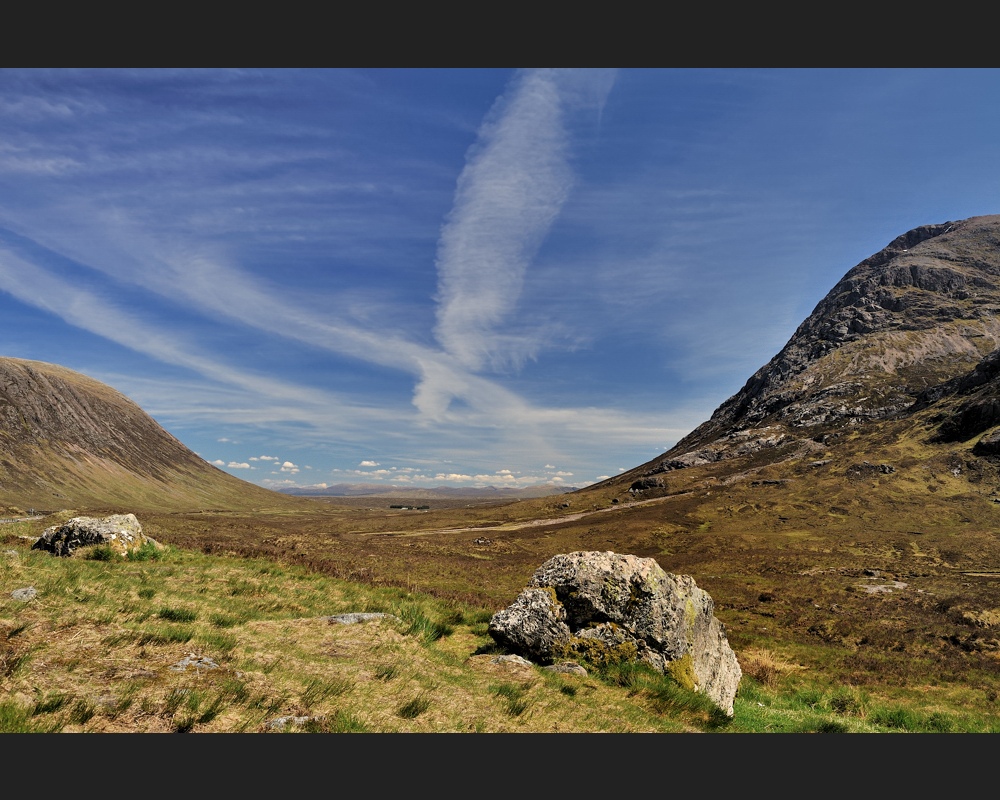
x: 415, y: 492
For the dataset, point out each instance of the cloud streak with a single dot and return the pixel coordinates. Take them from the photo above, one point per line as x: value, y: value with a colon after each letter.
x: 516, y: 179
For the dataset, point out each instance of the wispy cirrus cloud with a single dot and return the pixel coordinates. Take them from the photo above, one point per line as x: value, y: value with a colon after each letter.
x: 516, y: 179
x: 167, y: 272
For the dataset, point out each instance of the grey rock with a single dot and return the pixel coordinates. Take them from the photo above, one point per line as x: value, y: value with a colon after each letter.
x: 279, y: 723
x: 199, y: 663
x: 646, y: 483
x: 534, y: 625
x: 989, y: 445
x: 25, y: 594
x: 511, y: 659
x: 355, y: 617
x: 567, y: 668
x: 605, y: 606
x: 121, y: 532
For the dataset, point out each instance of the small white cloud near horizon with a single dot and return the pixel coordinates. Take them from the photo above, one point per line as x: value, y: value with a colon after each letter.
x: 238, y: 465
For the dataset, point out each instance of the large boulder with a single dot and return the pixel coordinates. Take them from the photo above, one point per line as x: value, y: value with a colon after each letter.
x: 121, y: 532
x: 604, y: 607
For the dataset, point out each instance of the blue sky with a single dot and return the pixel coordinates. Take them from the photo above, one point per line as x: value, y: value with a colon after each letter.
x: 456, y: 277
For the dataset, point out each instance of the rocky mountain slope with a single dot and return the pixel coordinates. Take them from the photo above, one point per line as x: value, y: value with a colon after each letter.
x: 909, y: 335
x: 69, y: 441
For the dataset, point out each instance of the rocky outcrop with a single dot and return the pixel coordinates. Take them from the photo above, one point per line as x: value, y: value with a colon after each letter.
x: 913, y: 324
x: 604, y: 607
x: 121, y: 532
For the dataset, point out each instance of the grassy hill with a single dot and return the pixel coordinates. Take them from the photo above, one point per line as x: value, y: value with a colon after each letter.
x: 179, y: 641
x: 67, y: 440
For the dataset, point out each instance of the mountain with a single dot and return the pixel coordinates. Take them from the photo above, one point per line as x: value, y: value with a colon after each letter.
x: 69, y: 441
x: 903, y: 349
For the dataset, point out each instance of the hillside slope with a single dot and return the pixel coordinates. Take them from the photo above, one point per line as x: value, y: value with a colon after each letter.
x: 69, y: 441
x: 908, y: 336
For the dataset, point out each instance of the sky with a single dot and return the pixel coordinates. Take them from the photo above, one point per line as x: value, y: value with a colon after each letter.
x: 456, y: 277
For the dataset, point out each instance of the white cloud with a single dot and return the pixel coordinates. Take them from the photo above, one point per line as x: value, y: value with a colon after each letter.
x: 238, y: 465
x: 219, y: 462
x: 368, y: 464
x: 270, y: 483
x: 516, y: 178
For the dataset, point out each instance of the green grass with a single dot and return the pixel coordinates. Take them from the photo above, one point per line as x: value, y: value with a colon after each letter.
x: 178, y: 614
x: 424, y: 668
x: 16, y: 718
x: 513, y: 696
x: 415, y: 707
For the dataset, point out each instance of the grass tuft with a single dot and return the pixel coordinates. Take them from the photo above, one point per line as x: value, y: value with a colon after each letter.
x: 177, y: 614
x: 386, y: 671
x: 146, y: 552
x: 423, y: 627
x: 17, y: 718
x: 101, y: 552
x: 318, y: 690
x: 415, y: 707
x: 51, y: 703
x: 513, y: 695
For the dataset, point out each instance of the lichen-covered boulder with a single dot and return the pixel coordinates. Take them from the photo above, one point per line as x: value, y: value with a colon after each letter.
x: 121, y: 532
x: 605, y: 606
x: 534, y: 626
